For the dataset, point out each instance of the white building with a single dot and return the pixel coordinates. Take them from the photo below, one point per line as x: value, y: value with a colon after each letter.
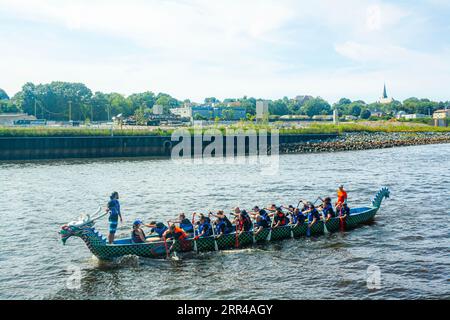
x: 441, y: 117
x: 262, y: 110
x: 7, y: 119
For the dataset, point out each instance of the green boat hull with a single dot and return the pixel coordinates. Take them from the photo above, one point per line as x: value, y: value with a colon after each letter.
x: 99, y: 247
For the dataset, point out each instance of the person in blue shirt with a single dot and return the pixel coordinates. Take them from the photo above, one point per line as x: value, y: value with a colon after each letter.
x: 113, y: 208
x: 327, y: 209
x: 263, y: 213
x: 204, y: 227
x: 222, y: 225
x: 298, y: 218
x: 313, y: 214
x: 157, y: 228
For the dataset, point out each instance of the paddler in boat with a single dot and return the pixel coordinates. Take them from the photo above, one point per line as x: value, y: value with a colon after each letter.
x: 313, y: 214
x: 222, y: 224
x: 114, y: 215
x: 203, y: 226
x: 137, y: 234
x: 298, y: 217
x: 327, y: 208
x: 157, y: 228
x: 178, y: 234
x: 262, y: 213
x: 260, y: 225
x: 184, y: 223
x: 280, y: 218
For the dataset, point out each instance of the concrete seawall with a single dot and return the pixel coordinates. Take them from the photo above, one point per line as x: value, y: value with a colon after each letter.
x: 36, y: 148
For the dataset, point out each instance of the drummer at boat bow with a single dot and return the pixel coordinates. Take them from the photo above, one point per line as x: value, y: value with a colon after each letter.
x: 114, y: 214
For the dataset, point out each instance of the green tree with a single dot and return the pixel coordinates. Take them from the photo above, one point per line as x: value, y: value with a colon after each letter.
x: 316, y: 106
x: 278, y: 107
x: 365, y: 114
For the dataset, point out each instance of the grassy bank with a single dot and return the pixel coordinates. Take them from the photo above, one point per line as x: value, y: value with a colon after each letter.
x: 314, y: 128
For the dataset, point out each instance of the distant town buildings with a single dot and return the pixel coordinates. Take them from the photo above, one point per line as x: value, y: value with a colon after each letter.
x: 441, y: 117
x: 384, y: 98
x: 210, y: 112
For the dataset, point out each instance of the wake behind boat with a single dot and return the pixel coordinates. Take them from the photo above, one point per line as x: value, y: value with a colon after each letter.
x: 99, y: 246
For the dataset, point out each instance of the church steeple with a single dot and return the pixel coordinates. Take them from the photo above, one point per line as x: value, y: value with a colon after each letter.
x: 385, y: 96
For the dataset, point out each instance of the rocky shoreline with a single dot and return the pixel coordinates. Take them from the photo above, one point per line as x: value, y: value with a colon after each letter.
x: 366, y: 141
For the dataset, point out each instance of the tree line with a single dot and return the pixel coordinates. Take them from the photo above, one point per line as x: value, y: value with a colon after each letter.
x: 61, y: 101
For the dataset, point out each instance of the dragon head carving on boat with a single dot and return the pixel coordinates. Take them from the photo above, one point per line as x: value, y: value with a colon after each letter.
x: 78, y: 228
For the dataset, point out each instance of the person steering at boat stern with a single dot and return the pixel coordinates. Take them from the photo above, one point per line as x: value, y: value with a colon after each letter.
x: 114, y: 215
x: 342, y: 197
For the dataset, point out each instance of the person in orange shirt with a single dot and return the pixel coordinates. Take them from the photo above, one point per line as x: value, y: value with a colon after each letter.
x: 342, y: 197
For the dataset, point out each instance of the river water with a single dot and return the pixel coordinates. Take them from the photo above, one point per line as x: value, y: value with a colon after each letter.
x: 408, y: 243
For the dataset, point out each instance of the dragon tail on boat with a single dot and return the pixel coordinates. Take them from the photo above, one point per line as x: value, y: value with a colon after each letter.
x: 98, y: 245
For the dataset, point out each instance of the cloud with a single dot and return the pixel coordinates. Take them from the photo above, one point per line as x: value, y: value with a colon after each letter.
x: 197, y: 48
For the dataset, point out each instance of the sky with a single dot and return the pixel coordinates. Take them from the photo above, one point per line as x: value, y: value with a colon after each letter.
x: 194, y: 49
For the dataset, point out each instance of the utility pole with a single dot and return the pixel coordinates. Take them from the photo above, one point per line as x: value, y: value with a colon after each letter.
x: 70, y: 111
x: 92, y: 115
x: 35, y: 108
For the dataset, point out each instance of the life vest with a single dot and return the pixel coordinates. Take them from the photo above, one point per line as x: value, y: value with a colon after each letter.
x: 187, y: 226
x: 329, y: 210
x: 265, y: 216
x: 225, y: 225
x: 160, y: 229
x: 296, y: 218
x: 313, y: 214
x: 247, y: 223
x: 345, y: 211
x: 281, y: 217
x: 135, y: 238
x: 205, y: 226
x: 179, y: 234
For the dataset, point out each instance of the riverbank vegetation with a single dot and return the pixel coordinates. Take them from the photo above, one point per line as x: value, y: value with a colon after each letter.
x: 315, y: 128
x: 63, y: 101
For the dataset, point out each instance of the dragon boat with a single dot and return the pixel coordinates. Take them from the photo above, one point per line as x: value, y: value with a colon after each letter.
x: 99, y: 246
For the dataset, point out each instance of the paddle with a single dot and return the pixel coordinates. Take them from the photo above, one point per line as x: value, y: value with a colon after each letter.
x: 237, y: 234
x: 195, y: 232
x: 341, y: 221
x: 165, y: 245
x: 325, y: 229
x: 216, y: 247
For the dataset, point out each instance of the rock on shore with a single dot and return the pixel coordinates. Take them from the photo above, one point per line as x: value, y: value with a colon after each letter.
x: 366, y: 140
